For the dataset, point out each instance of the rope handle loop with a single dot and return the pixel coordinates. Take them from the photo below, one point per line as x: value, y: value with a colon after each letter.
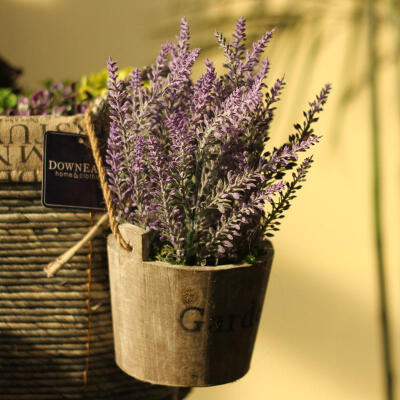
x: 94, y: 144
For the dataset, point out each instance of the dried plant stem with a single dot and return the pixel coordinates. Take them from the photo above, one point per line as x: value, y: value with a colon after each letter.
x: 372, y: 32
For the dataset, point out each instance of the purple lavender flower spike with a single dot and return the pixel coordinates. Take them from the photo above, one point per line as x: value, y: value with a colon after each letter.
x: 187, y: 160
x: 253, y: 57
x: 135, y: 81
x: 203, y: 91
x: 160, y: 67
x: 184, y: 36
x: 238, y: 42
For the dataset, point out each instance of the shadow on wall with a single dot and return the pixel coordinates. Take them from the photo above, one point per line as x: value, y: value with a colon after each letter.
x: 312, y: 321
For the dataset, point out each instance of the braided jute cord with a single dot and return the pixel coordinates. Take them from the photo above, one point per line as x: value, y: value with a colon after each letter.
x: 94, y: 144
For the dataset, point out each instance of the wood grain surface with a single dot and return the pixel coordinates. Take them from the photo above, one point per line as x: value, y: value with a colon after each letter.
x: 180, y: 325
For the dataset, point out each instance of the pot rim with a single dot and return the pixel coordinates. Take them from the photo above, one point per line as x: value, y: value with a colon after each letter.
x: 265, y: 259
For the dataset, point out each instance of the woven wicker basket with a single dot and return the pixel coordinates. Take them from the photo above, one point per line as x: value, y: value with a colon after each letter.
x: 55, y: 333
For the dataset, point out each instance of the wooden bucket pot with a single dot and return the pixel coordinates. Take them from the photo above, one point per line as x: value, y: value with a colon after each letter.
x: 183, y: 326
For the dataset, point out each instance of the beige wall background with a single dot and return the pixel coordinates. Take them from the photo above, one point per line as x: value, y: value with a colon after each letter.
x: 319, y: 336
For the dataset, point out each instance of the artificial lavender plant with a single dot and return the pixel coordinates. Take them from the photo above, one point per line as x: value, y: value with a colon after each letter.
x: 187, y: 160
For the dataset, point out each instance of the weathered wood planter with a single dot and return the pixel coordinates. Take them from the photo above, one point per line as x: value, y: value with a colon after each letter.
x: 183, y: 326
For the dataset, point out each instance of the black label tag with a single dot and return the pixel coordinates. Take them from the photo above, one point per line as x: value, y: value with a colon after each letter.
x: 70, y: 178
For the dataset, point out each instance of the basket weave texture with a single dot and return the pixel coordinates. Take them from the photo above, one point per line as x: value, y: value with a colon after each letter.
x: 55, y: 333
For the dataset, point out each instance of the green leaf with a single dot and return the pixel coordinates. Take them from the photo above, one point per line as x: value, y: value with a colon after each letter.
x: 10, y: 101
x: 4, y: 92
x: 249, y: 259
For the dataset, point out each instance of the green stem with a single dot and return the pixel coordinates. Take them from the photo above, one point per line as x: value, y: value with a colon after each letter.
x: 383, y: 304
x: 394, y: 17
x: 348, y: 73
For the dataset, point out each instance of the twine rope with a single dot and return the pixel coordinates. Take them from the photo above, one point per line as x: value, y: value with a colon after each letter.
x: 94, y: 143
x: 52, y: 268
